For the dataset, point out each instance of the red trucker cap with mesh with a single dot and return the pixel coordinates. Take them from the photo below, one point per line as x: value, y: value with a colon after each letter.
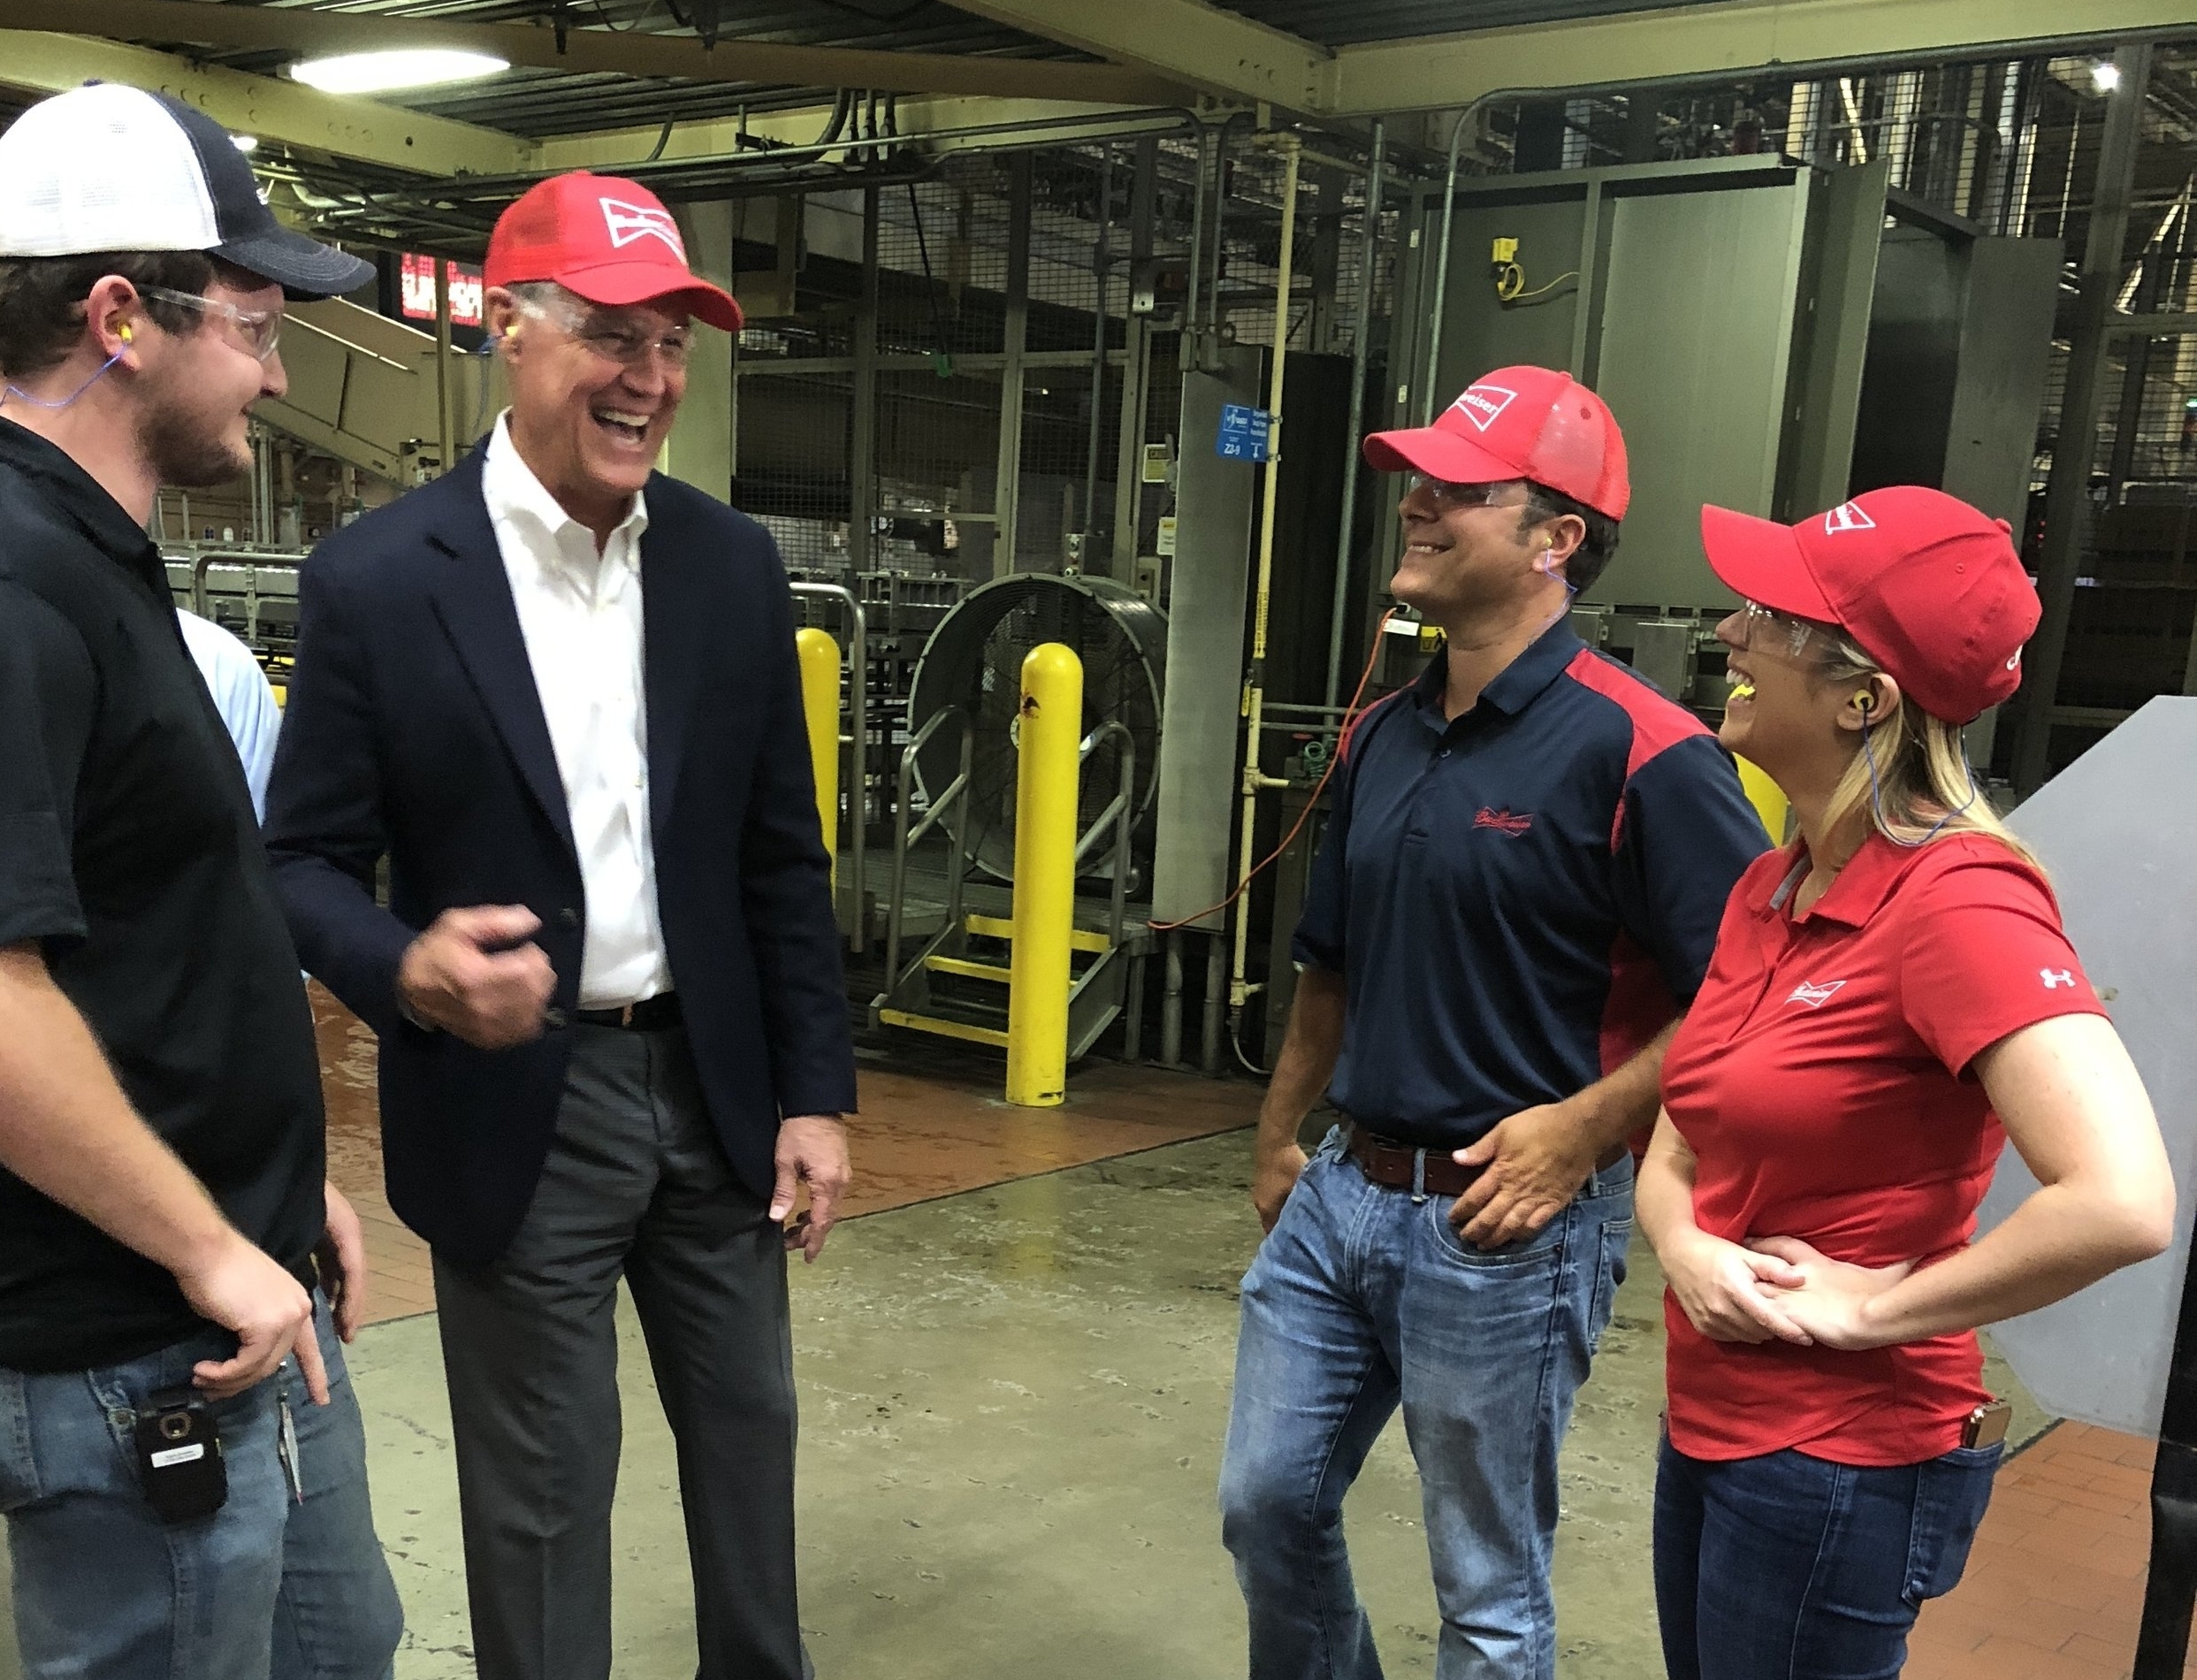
x: 1519, y: 423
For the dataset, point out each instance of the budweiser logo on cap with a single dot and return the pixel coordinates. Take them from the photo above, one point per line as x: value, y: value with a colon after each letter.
x: 1483, y: 404
x: 1848, y: 516
x: 627, y: 223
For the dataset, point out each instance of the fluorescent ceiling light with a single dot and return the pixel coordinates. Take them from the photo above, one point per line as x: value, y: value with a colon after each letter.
x: 2105, y: 77
x: 245, y: 142
x: 398, y: 69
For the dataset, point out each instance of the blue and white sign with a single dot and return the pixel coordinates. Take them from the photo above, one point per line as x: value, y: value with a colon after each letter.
x: 1246, y: 434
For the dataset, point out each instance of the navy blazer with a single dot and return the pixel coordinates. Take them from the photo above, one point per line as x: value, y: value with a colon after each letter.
x: 414, y: 731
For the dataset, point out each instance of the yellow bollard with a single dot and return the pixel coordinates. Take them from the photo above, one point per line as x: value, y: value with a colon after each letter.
x: 1768, y: 799
x: 820, y: 702
x: 1049, y: 766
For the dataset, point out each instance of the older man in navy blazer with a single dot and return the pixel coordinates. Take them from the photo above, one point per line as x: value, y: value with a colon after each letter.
x: 557, y: 693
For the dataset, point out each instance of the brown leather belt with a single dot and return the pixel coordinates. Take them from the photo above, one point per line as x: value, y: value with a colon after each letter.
x: 1395, y: 1166
x: 650, y: 1015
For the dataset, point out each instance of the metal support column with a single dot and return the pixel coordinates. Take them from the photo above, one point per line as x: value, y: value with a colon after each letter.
x: 1170, y: 1003
x: 1136, y: 368
x: 445, y: 427
x: 2068, y: 486
x: 1217, y: 1001
x: 1099, y: 262
x: 1347, y: 531
x: 1007, y: 497
x: 862, y: 454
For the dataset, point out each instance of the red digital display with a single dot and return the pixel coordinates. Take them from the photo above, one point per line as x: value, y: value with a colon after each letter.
x: 418, y: 300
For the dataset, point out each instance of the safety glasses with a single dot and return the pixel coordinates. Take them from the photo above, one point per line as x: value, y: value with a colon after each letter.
x: 1766, y: 628
x: 260, y: 328
x: 629, y: 339
x: 1449, y: 497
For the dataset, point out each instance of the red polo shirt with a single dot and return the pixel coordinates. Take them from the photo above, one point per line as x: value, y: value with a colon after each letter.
x: 1822, y: 1080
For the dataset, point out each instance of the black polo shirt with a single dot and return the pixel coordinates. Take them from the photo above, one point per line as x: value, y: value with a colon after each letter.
x: 128, y: 850
x: 1521, y: 899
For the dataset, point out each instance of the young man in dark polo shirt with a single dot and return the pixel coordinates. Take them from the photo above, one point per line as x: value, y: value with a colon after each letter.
x: 161, y: 1195
x: 1519, y: 888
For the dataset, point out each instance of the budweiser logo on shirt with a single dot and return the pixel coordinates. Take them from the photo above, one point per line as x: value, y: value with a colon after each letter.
x: 1814, y: 995
x: 1501, y: 821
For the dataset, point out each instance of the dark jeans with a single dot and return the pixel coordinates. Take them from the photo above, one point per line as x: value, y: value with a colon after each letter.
x: 1796, y: 1566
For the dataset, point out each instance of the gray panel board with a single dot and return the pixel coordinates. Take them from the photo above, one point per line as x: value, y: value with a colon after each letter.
x: 2005, y: 360
x: 1480, y: 331
x: 1191, y: 866
x: 1845, y: 232
x: 1697, y: 344
x: 1914, y: 361
x: 2113, y: 829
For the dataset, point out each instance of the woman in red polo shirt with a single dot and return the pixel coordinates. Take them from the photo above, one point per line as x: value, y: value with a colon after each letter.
x: 1886, y: 992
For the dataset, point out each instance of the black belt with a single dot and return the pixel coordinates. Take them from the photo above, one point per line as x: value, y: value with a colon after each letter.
x: 650, y: 1015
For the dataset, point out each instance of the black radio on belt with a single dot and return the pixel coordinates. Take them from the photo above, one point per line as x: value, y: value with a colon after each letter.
x: 178, y: 1456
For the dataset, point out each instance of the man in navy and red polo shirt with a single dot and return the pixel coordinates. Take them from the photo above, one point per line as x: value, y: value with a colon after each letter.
x: 1521, y: 884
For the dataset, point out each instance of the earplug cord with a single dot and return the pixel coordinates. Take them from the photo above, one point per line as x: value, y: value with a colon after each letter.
x: 18, y: 391
x: 1876, y: 794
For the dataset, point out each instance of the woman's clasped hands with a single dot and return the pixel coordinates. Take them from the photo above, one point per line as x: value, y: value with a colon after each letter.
x: 1778, y: 1289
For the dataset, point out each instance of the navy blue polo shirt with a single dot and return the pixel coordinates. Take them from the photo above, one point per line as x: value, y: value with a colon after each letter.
x: 1521, y: 899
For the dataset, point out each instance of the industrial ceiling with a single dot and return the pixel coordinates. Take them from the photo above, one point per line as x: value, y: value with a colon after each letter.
x: 612, y: 83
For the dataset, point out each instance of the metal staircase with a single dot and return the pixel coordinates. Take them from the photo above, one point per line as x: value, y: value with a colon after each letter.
x: 956, y: 984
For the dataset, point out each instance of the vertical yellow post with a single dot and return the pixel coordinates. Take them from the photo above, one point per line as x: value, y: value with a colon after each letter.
x: 1768, y: 799
x: 1049, y: 766
x: 820, y: 704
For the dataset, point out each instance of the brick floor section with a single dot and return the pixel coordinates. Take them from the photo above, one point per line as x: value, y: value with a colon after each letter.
x: 932, y: 1125
x: 2055, y: 1584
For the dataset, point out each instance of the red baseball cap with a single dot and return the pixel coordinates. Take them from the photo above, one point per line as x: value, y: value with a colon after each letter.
x: 1926, y: 586
x: 1519, y: 423
x: 607, y: 239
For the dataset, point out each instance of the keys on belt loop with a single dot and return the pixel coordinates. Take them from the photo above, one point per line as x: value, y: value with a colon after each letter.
x: 286, y: 1446
x: 1418, y: 1177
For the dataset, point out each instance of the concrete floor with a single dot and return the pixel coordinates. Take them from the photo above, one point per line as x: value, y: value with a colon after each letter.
x: 1013, y: 1400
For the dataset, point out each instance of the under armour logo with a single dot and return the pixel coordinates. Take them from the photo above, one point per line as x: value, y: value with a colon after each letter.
x: 2055, y: 978
x: 1848, y: 516
x: 1814, y: 995
x: 1483, y: 404
x: 627, y: 223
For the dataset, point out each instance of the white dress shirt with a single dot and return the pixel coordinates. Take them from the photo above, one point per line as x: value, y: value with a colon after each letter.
x: 580, y: 613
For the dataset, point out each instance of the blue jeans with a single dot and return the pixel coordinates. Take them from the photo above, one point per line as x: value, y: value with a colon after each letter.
x: 268, y: 1588
x: 1362, y: 1298
x: 1793, y: 1566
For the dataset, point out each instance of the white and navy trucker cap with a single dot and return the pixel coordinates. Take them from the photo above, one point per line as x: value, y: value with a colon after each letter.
x: 108, y: 168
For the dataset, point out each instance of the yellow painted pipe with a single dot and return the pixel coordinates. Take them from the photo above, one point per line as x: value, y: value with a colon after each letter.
x: 820, y: 704
x: 1049, y: 764
x: 1768, y: 799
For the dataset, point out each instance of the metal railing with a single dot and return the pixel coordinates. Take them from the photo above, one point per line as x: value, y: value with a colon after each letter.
x: 896, y: 975
x: 1121, y: 813
x: 857, y: 784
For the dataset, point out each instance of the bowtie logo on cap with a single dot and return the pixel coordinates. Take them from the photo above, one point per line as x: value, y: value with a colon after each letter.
x: 1848, y: 516
x: 627, y: 223
x: 1483, y: 404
